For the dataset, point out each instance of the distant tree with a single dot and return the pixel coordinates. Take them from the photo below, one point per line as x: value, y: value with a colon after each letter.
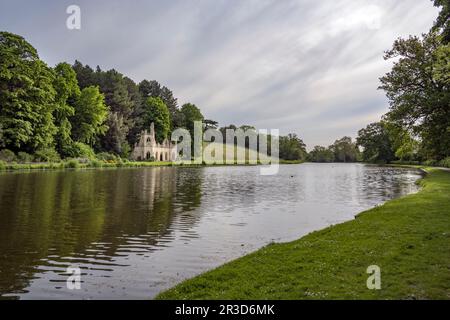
x: 91, y: 112
x: 27, y: 96
x: 115, y: 137
x: 190, y: 113
x: 321, y: 154
x: 344, y: 150
x: 376, y: 143
x: 156, y: 111
x: 210, y: 124
x: 418, y: 91
x: 291, y: 147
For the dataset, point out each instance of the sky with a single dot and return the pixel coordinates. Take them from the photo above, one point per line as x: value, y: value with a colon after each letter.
x: 309, y: 67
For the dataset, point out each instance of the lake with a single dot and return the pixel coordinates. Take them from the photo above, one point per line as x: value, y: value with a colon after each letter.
x: 135, y: 232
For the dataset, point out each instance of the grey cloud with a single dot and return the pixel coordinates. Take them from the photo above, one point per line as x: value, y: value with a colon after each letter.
x: 305, y: 66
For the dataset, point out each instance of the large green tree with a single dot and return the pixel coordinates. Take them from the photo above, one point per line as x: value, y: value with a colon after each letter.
x: 67, y: 93
x: 376, y: 143
x: 442, y: 23
x: 189, y: 114
x: 321, y: 154
x: 418, y: 91
x: 345, y: 150
x: 91, y: 112
x: 27, y: 96
x: 291, y: 147
x: 156, y: 112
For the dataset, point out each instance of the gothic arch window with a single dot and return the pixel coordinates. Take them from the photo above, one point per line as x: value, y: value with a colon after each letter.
x: 148, y: 156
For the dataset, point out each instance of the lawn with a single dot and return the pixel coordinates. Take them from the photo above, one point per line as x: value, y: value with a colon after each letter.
x: 408, y: 238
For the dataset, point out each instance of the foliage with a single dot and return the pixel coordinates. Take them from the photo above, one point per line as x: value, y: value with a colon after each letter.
x: 47, y: 155
x: 24, y: 157
x: 79, y: 150
x: 344, y: 150
x: 7, y: 155
x: 67, y: 92
x: 376, y: 143
x: 90, y: 115
x: 26, y: 95
x: 156, y: 112
x: 2, y: 165
x: 106, y: 156
x: 442, y: 23
x: 321, y: 154
x: 292, y: 147
x: 418, y: 91
x: 189, y: 114
x: 73, y: 164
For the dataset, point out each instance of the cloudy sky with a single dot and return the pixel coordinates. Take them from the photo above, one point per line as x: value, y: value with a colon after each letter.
x: 304, y: 66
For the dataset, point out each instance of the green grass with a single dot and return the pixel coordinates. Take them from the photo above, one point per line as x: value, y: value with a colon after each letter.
x: 408, y: 238
x: 74, y: 164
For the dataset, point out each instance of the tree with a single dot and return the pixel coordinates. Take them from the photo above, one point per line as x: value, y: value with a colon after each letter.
x: 376, y: 143
x: 67, y: 92
x: 115, y: 137
x: 156, y: 111
x: 344, y: 150
x: 210, y: 124
x: 321, y: 154
x: 90, y: 115
x: 27, y: 96
x: 442, y: 23
x: 418, y: 91
x: 190, y: 113
x: 292, y: 147
x: 85, y: 75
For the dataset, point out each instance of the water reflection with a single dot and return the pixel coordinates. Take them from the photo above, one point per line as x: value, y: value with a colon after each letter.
x: 134, y: 232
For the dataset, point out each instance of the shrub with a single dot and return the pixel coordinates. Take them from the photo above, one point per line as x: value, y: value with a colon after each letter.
x: 24, y: 157
x: 105, y: 156
x: 7, y: 155
x: 2, y: 165
x: 79, y: 150
x: 47, y: 155
x: 72, y: 164
x: 96, y: 163
x: 445, y: 163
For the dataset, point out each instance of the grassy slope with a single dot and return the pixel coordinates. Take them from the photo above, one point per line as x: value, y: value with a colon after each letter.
x: 409, y: 238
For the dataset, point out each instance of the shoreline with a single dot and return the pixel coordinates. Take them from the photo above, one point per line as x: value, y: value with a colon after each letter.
x: 98, y: 164
x: 408, y: 237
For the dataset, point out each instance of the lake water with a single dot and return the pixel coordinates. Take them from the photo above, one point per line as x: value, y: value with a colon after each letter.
x: 135, y: 232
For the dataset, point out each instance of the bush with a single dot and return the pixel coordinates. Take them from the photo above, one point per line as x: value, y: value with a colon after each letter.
x: 79, y: 150
x: 7, y: 155
x: 96, y: 163
x: 47, y: 155
x: 105, y: 156
x: 2, y: 165
x: 72, y: 164
x: 24, y: 157
x: 431, y: 163
x: 445, y: 163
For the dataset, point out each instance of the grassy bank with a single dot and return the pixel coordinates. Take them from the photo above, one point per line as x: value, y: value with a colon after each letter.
x: 408, y: 238
x: 74, y: 164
